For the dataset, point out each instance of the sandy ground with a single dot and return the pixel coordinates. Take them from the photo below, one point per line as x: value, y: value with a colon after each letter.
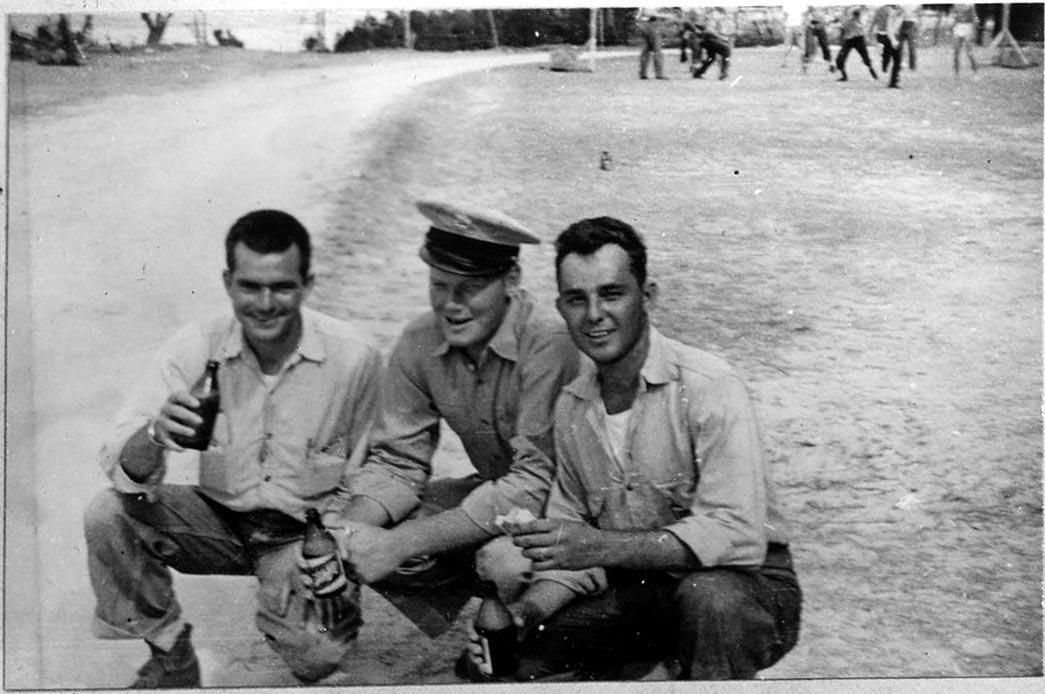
x: 895, y: 357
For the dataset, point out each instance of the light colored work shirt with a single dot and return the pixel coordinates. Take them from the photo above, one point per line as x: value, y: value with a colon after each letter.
x: 692, y: 462
x: 288, y: 446
x: 853, y: 27
x: 501, y: 408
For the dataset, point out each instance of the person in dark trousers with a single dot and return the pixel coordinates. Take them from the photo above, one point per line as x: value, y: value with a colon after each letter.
x: 816, y: 35
x: 714, y: 46
x: 853, y: 39
x: 690, y: 43
x: 298, y: 391
x: 662, y: 540
x: 908, y: 34
x: 649, y: 26
x: 886, y: 27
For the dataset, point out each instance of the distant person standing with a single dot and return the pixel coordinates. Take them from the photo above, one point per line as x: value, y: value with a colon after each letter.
x: 964, y: 31
x: 714, y: 46
x: 853, y: 39
x: 886, y: 27
x: 793, y: 33
x: 649, y: 24
x: 816, y: 35
x: 908, y: 34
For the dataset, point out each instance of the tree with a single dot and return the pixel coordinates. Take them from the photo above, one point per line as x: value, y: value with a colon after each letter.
x: 157, y: 23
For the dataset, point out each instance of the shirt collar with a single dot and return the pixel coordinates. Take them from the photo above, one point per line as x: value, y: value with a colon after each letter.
x: 505, y: 340
x: 658, y: 369
x: 310, y: 346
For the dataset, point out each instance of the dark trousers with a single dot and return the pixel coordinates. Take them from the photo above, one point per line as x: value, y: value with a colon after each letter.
x: 908, y: 35
x: 890, y: 57
x: 857, y: 44
x: 816, y: 35
x: 651, y: 46
x: 712, y: 50
x: 718, y: 623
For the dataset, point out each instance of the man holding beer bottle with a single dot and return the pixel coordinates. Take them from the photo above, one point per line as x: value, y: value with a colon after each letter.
x: 297, y: 390
x: 488, y: 362
x: 662, y: 540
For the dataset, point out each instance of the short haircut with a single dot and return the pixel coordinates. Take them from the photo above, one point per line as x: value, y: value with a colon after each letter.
x: 268, y: 231
x: 589, y: 235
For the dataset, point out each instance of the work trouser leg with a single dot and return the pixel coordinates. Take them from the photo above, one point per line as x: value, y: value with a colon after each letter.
x: 735, y: 622
x: 894, y: 77
x: 825, y: 48
x: 720, y: 623
x: 907, y: 36
x: 596, y: 637
x: 132, y: 543
x: 861, y: 48
x: 843, y: 55
x: 887, y: 51
x: 432, y: 591
x: 724, y: 64
x: 311, y: 635
x: 709, y: 57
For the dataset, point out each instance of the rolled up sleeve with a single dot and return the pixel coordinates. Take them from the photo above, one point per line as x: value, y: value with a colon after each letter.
x: 405, y: 436
x: 726, y: 524
x: 165, y: 373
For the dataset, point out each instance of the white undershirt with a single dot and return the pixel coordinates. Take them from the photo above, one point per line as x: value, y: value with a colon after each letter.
x: 270, y: 380
x: 616, y: 430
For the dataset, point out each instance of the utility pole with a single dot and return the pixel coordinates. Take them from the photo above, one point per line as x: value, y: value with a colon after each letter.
x: 593, y: 29
x: 408, y: 36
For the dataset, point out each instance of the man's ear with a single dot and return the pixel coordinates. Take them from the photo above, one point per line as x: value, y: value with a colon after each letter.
x: 513, y: 277
x: 310, y: 282
x: 226, y: 279
x: 649, y: 295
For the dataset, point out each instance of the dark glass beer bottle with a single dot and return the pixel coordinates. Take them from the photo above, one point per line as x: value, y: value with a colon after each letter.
x: 498, y: 634
x: 206, y: 391
x: 322, y: 559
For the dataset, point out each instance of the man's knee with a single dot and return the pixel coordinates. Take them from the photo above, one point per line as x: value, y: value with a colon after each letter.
x: 102, y: 515
x: 715, y: 596
x: 310, y: 658
x: 502, y: 562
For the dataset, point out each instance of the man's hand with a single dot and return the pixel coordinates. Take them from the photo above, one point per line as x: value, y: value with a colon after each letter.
x: 372, y: 553
x: 538, y: 603
x: 557, y: 544
x: 178, y: 415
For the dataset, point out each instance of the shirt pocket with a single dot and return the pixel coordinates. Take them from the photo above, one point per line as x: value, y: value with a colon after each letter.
x: 322, y: 473
x: 222, y: 474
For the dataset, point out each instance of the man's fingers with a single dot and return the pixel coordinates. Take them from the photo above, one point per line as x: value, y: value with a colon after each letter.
x: 540, y: 525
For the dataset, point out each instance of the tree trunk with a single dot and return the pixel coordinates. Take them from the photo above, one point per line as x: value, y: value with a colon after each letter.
x: 157, y: 25
x: 493, y: 29
x: 408, y: 36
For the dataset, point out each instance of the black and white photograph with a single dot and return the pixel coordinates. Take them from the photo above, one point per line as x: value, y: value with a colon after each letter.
x: 552, y: 348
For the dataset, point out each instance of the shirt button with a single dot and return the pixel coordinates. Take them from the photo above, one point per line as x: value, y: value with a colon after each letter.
x: 630, y: 487
x: 268, y: 478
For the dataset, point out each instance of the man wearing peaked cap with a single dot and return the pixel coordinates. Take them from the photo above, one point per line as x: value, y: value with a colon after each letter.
x: 488, y: 363
x: 471, y: 243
